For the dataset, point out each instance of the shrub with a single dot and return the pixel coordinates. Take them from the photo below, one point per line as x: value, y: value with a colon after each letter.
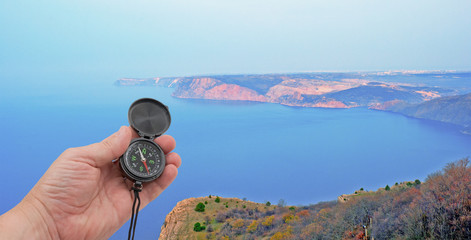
x: 238, y: 223
x: 361, y: 189
x: 387, y: 188
x: 268, y: 203
x: 198, y: 228
x: 303, y: 213
x: 417, y: 182
x: 268, y: 221
x: 252, y: 227
x: 218, y: 200
x: 205, y: 202
x: 200, y: 207
x: 243, y: 206
x: 209, y: 195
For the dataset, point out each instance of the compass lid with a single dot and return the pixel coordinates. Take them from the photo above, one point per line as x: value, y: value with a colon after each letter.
x: 149, y: 117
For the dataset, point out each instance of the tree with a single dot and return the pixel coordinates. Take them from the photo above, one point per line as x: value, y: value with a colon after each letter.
x: 200, y: 207
x: 217, y: 199
x: 387, y: 188
x: 268, y: 203
x: 281, y: 203
x: 417, y: 182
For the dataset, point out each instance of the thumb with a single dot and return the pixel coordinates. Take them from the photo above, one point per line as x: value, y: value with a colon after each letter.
x: 111, y: 148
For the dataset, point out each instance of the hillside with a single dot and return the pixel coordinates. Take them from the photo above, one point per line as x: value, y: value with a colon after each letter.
x: 439, y: 208
x: 324, y: 89
x: 451, y: 109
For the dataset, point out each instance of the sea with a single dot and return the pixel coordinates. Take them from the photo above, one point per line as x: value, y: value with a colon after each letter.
x: 258, y: 151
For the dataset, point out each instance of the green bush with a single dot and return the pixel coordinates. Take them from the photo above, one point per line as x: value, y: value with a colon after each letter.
x: 417, y: 182
x: 387, y: 188
x: 268, y: 203
x: 205, y: 202
x: 198, y: 228
x: 217, y: 200
x: 200, y: 207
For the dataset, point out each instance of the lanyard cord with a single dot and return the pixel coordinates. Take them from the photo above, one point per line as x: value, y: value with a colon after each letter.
x: 137, y: 187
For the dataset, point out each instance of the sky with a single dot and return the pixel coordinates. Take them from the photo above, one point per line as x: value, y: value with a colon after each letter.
x: 148, y: 38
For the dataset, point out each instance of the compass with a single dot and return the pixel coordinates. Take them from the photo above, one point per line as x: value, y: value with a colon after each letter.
x: 144, y: 160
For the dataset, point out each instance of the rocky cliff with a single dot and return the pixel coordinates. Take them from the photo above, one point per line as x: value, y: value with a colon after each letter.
x: 180, y: 222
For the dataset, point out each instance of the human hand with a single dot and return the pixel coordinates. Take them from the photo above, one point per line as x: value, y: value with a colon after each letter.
x: 82, y: 195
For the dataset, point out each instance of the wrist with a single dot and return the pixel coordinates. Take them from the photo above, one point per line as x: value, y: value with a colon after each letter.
x: 28, y: 220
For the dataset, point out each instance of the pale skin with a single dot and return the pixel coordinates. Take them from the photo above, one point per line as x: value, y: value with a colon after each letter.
x: 83, y: 194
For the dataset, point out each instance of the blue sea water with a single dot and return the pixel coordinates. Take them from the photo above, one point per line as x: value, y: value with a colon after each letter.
x: 260, y: 151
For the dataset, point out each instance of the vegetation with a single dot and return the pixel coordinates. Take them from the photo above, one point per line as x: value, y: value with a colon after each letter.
x: 200, y: 207
x: 218, y: 199
x: 438, y: 208
x: 198, y: 227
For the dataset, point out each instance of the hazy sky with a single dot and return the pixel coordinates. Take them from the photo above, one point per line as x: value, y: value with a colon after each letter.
x: 145, y: 38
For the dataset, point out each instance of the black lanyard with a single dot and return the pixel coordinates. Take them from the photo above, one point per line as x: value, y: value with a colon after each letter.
x: 137, y: 187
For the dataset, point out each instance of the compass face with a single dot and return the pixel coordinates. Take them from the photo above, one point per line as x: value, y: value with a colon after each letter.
x: 143, y: 160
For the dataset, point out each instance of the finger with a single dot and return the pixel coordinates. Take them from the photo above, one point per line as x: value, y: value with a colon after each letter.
x: 111, y: 148
x: 153, y: 189
x: 166, y: 142
x: 173, y: 158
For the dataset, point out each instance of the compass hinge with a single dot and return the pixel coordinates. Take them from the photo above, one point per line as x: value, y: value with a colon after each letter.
x: 145, y: 136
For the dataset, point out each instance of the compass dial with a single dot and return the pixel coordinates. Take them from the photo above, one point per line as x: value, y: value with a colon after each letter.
x: 143, y: 160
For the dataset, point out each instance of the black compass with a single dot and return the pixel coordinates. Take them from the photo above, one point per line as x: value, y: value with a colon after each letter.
x: 144, y: 160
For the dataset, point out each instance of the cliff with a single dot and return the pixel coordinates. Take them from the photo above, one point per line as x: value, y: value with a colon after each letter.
x: 180, y: 222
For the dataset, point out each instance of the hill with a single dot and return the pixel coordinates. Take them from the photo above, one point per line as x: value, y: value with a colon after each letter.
x: 439, y: 208
x: 450, y: 109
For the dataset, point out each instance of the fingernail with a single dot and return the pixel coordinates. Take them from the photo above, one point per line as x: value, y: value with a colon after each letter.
x: 121, y: 129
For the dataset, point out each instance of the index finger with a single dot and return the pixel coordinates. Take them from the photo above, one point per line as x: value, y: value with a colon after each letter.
x: 166, y: 142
